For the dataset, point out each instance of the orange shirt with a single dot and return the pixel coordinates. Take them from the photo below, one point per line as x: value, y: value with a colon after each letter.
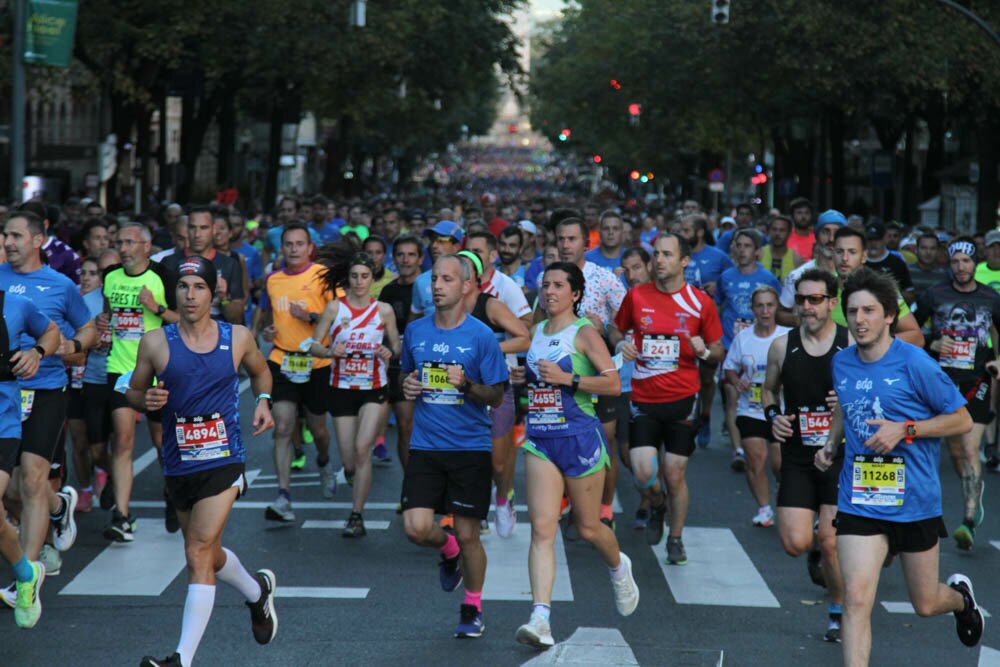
x: 594, y: 239
x: 304, y: 288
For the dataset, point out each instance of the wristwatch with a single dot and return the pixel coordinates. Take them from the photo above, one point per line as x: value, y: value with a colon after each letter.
x: 40, y: 350
x: 911, y: 431
x: 77, y: 345
x: 160, y: 309
x: 466, y: 386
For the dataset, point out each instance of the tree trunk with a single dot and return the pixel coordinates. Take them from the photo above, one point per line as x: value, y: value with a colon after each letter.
x: 194, y: 124
x: 838, y: 192
x: 226, y: 172
x: 142, y: 147
x: 273, y: 157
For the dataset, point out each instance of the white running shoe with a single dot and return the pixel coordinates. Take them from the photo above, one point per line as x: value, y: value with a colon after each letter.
x: 280, y: 510
x: 327, y: 480
x: 64, y: 530
x: 51, y: 559
x: 765, y: 517
x: 505, y: 519
x: 536, y: 632
x: 626, y: 590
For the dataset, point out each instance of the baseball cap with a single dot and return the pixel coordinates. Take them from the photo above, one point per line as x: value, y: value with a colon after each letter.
x: 417, y: 214
x: 992, y: 236
x: 829, y: 217
x: 527, y: 226
x: 727, y: 220
x: 488, y: 198
x: 446, y: 228
x: 875, y: 229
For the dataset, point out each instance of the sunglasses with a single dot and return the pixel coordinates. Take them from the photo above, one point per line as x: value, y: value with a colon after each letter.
x: 813, y: 299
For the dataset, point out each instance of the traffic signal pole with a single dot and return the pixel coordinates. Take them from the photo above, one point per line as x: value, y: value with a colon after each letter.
x: 17, y: 103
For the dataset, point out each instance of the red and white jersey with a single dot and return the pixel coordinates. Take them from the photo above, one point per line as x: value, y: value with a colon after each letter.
x: 666, y: 369
x: 361, y: 331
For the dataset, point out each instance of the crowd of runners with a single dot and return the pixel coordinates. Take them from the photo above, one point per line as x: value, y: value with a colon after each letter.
x: 590, y: 337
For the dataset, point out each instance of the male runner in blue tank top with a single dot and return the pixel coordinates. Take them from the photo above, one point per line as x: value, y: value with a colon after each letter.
x: 196, y: 362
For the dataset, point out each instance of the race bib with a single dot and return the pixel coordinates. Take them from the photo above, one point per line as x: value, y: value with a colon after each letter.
x: 878, y: 480
x: 27, y: 402
x: 356, y: 371
x: 128, y: 323
x: 753, y: 396
x: 436, y: 388
x: 739, y: 325
x: 76, y: 376
x: 104, y: 341
x: 962, y: 355
x: 661, y: 352
x: 545, y: 406
x: 296, y: 367
x: 814, y: 426
x: 202, y: 438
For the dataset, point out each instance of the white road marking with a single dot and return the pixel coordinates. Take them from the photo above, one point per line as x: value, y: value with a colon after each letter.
x: 145, y: 567
x: 143, y: 461
x: 508, y: 566
x: 321, y: 592
x: 719, y: 572
x: 259, y: 505
x: 906, y: 607
x: 588, y: 646
x: 269, y: 485
x: 338, y: 524
x: 988, y: 657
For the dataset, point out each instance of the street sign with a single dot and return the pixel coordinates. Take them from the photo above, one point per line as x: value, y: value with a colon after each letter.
x: 716, y: 176
x: 48, y: 35
x: 107, y: 161
x: 715, y: 186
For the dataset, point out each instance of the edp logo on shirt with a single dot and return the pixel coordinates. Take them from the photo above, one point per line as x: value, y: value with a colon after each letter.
x: 441, y: 348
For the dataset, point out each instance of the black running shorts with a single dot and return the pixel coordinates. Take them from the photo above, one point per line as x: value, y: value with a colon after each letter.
x: 671, y: 426
x: 449, y: 482
x: 348, y: 402
x: 314, y: 394
x: 978, y: 398
x: 908, y: 537
x: 10, y: 449
x: 40, y: 432
x: 118, y: 400
x: 806, y: 486
x: 97, y: 411
x: 186, y: 490
x: 754, y: 428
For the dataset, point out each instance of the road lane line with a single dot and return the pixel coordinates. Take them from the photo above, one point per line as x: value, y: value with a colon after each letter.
x: 143, y: 461
x: 905, y: 607
x: 988, y: 657
x: 338, y: 524
x: 321, y: 592
x: 144, y: 567
x: 719, y: 572
x: 589, y: 646
x: 508, y: 566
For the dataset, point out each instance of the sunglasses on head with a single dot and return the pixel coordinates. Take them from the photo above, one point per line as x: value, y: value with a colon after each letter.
x: 813, y: 299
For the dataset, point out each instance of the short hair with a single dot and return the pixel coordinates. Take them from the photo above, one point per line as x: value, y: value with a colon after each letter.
x: 844, y: 232
x: 560, y: 214
x: 800, y: 202
x: 35, y: 225
x: 783, y: 218
x: 144, y: 232
x: 746, y: 205
x: 468, y: 271
x: 491, y: 241
x: 570, y: 222
x: 93, y: 260
x: 610, y: 213
x: 376, y: 239
x: 294, y: 200
x: 512, y: 230
x: 90, y: 225
x: 928, y: 235
x: 636, y: 251
x: 577, y: 282
x: 682, y: 245
x: 200, y: 209
x: 751, y: 234
x: 819, y: 276
x: 291, y: 226
x: 881, y: 285
x: 764, y: 289
x: 407, y: 239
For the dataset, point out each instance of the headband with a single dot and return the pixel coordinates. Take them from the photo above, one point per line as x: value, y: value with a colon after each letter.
x: 196, y: 265
x: 477, y: 263
x: 964, y: 247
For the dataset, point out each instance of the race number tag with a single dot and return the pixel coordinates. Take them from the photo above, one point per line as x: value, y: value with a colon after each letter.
x: 202, y: 438
x: 27, y: 402
x: 962, y: 355
x: 545, y: 406
x: 661, y: 352
x: 436, y: 388
x: 104, y: 341
x: 878, y: 480
x: 76, y: 377
x: 739, y: 325
x: 753, y: 396
x: 356, y: 371
x: 128, y: 323
x: 814, y: 426
x: 296, y: 367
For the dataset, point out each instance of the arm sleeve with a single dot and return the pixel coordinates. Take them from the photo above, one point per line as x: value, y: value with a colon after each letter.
x: 417, y: 304
x: 787, y: 297
x: 616, y: 293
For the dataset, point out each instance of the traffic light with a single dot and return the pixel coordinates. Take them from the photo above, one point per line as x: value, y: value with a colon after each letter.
x: 564, y: 135
x: 720, y: 11
x: 634, y: 175
x: 759, y: 179
x: 615, y: 84
x: 597, y: 158
x: 634, y: 109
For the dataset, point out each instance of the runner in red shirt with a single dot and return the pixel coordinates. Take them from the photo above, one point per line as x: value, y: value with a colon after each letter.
x: 670, y: 325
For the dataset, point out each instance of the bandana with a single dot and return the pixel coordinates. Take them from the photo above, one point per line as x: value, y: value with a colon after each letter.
x: 963, y: 247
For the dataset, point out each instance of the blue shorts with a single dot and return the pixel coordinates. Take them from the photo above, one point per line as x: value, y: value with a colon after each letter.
x: 575, y: 455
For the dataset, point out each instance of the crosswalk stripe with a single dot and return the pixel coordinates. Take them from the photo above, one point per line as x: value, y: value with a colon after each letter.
x: 906, y: 607
x: 719, y: 572
x: 338, y: 524
x: 988, y: 657
x: 321, y: 592
x: 507, y: 569
x: 588, y: 646
x: 274, y: 485
x: 145, y: 567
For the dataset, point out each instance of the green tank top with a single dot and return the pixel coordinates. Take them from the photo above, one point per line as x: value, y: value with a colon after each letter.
x: 129, y: 318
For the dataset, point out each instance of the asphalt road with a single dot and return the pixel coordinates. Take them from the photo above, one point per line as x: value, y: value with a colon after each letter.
x: 740, y: 601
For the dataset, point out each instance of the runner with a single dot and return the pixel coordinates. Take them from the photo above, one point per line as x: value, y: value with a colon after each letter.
x: 362, y: 340
x: 963, y: 316
x: 453, y: 365
x: 799, y: 364
x: 895, y: 404
x: 290, y: 306
x: 20, y: 316
x: 566, y: 444
x: 672, y: 325
x: 375, y: 246
x: 195, y: 363
x: 445, y: 239
x: 824, y: 257
x: 745, y: 368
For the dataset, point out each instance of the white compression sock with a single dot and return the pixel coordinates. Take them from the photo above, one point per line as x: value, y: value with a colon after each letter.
x: 234, y: 574
x: 197, y: 611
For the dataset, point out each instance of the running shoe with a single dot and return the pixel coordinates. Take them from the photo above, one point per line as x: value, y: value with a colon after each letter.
x: 969, y: 622
x: 298, y: 460
x: 172, y: 661
x: 832, y: 630
x: 280, y: 510
x: 470, y: 623
x: 450, y: 573
x: 505, y: 519
x: 610, y: 523
x: 9, y: 595
x: 654, y: 530
x: 100, y: 481
x: 107, y: 496
x: 50, y: 558
x: 381, y: 454
x: 980, y: 510
x: 965, y: 536
x: 170, y: 520
x: 704, y: 436
x: 355, y: 526
x: 641, y: 519
x: 86, y: 501
x: 536, y: 632
x: 263, y: 616
x: 29, y: 602
x: 626, y: 590
x: 64, y: 528
x: 120, y: 528
x: 739, y: 462
x: 327, y: 479
x: 307, y: 436
x: 814, y: 567
x: 484, y: 527
x: 765, y: 517
x: 676, y: 555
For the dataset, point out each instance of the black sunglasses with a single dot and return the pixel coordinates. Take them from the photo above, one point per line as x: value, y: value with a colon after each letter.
x: 813, y: 299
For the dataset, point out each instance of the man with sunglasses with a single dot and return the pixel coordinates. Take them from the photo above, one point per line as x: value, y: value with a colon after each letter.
x: 963, y: 316
x: 798, y: 363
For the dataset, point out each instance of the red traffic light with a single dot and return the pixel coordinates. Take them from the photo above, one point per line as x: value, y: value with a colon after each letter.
x: 634, y: 175
x: 634, y: 109
x: 598, y: 158
x: 615, y: 84
x: 565, y: 132
x: 759, y: 179
x: 512, y: 128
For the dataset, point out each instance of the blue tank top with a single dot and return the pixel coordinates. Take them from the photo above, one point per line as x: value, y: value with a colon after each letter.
x: 201, y: 420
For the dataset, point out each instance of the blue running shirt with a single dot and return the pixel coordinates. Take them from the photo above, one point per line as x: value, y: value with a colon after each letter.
x: 22, y: 319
